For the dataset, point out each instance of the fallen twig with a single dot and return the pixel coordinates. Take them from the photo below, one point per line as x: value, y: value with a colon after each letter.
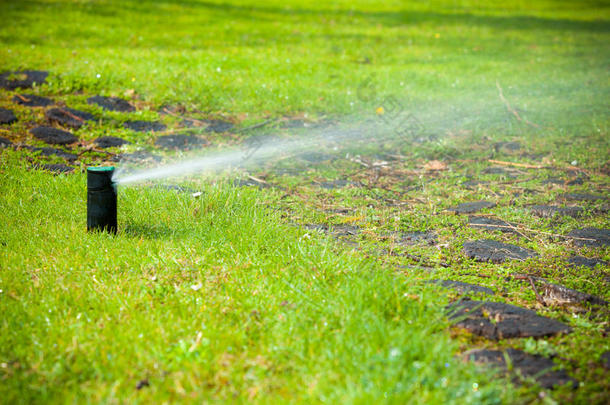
x: 511, y: 109
x: 523, y: 165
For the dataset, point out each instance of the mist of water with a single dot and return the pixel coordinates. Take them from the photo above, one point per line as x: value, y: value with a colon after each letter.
x: 397, y: 130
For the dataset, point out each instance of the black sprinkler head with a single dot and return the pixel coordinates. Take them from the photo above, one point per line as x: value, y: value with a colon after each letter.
x: 101, y: 199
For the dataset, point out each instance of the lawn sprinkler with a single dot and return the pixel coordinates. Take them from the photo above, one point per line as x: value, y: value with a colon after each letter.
x: 101, y: 199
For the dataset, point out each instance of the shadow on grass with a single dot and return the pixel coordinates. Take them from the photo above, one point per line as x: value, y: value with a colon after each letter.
x: 153, y: 231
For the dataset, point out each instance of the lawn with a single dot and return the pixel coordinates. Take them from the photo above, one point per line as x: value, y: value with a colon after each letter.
x: 307, y: 278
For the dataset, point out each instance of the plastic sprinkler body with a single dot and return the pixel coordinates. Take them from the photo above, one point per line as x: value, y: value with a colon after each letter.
x: 101, y: 199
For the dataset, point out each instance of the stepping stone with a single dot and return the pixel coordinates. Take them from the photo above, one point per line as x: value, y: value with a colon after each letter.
x: 69, y: 117
x: 55, y: 168
x: 5, y: 142
x: 31, y: 100
x: 585, y: 261
x: 507, y: 147
x: 549, y: 211
x: 555, y: 294
x: 592, y: 237
x: 582, y: 197
x: 53, y: 136
x: 554, y: 180
x: 145, y: 126
x: 7, y: 116
x: 334, y: 184
x: 411, y: 238
x: 496, y: 320
x: 110, y: 141
x: 491, y: 224
x: 23, y: 79
x: 529, y: 365
x: 488, y: 250
x: 180, y: 141
x: 463, y: 288
x: 111, y: 103
x: 46, y: 151
x: 218, y: 126
x: 471, y: 207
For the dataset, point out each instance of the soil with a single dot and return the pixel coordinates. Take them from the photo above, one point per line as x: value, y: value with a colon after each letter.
x: 529, y: 365
x: 23, y: 79
x: 53, y: 136
x: 471, y: 207
x: 463, y: 288
x: 181, y: 142
x: 491, y: 224
x: 7, y: 116
x: 31, y: 100
x: 549, y: 211
x: 69, y: 117
x: 496, y: 320
x: 488, y: 250
x: 595, y: 237
x: 111, y: 103
x: 145, y: 126
x: 110, y: 141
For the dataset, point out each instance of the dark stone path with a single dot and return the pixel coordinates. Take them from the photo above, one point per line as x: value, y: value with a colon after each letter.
x: 110, y: 141
x: 111, y: 103
x: 591, y: 237
x: 491, y: 224
x: 471, y: 207
x: 7, y: 116
x: 69, y: 117
x: 550, y: 211
x: 22, y: 79
x: 495, y: 320
x: 53, y: 136
x: 181, y: 142
x: 31, y: 100
x: 464, y: 288
x: 145, y: 126
x: 537, y: 367
x: 488, y: 250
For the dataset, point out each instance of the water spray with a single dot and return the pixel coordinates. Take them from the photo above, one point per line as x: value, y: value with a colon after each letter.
x: 101, y: 199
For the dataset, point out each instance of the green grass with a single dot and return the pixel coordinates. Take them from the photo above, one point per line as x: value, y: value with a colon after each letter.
x: 219, y: 298
x: 208, y: 298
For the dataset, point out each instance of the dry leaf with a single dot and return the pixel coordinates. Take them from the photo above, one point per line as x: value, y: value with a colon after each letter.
x: 435, y: 165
